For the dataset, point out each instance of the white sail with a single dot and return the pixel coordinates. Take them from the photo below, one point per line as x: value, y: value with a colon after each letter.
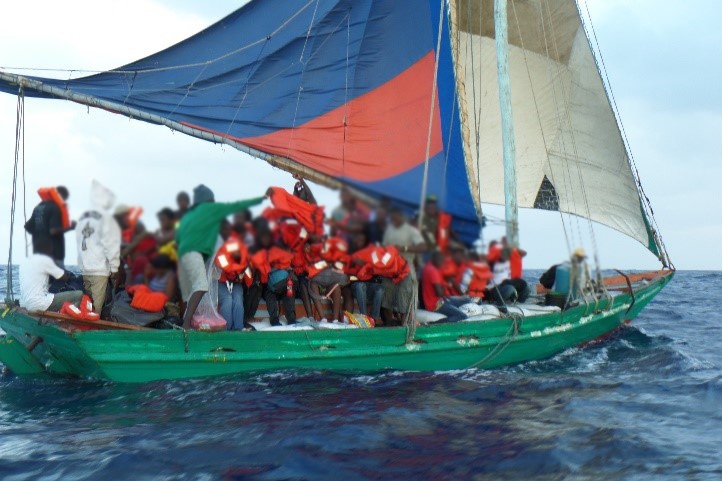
x: 570, y: 153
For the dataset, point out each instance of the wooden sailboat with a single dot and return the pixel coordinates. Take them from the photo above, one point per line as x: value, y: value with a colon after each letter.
x: 394, y: 99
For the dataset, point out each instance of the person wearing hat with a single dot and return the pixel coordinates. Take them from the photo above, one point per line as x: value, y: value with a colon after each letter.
x: 98, y: 237
x: 196, y: 237
x: 570, y: 277
x: 437, y: 231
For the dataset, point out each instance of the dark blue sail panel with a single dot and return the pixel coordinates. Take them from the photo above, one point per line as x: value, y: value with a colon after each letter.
x: 340, y: 86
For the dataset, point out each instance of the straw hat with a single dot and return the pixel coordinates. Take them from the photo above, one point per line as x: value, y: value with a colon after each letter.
x: 579, y: 252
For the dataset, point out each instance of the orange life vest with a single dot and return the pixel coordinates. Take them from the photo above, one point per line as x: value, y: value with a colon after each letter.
x: 365, y: 271
x: 452, y: 273
x: 515, y: 263
x: 266, y: 259
x: 315, y: 262
x: 494, y: 253
x: 231, y: 269
x: 51, y: 194
x: 481, y: 275
x: 308, y: 215
x: 335, y: 252
x: 387, y: 262
x: 443, y: 231
x: 132, y: 217
x: 145, y: 299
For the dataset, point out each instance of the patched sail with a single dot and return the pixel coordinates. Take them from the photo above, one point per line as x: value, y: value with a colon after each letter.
x: 570, y: 153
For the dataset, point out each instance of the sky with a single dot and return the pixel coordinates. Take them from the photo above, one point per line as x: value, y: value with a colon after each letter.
x: 660, y: 56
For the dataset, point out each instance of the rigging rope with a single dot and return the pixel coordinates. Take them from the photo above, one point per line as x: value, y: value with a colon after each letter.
x: 432, y: 111
x: 19, y: 153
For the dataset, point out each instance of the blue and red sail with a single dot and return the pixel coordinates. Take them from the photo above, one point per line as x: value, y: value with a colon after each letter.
x: 343, y: 87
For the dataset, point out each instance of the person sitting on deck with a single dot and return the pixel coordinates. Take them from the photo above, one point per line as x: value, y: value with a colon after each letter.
x: 35, y: 275
x: 196, y: 238
x: 437, y: 231
x: 407, y: 240
x: 161, y: 276
x: 138, y: 244
x: 433, y: 292
x: 50, y: 220
x: 572, y: 277
x: 365, y: 286
x: 326, y: 262
x: 233, y: 261
x: 274, y: 278
x: 453, y: 269
x: 502, y: 287
x: 98, y: 237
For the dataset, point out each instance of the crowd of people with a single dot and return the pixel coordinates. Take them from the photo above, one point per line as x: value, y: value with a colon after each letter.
x: 374, y: 260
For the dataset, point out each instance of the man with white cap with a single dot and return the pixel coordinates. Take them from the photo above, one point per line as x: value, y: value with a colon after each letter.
x: 98, y: 237
x: 196, y: 237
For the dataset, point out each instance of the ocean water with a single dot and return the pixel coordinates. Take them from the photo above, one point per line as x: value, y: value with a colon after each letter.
x: 644, y: 405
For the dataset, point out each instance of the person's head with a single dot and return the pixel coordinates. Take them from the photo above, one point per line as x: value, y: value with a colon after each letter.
x: 347, y: 199
x: 183, y: 200
x: 239, y: 228
x: 247, y: 215
x: 121, y: 216
x: 162, y: 264
x: 437, y: 258
x: 202, y: 194
x: 397, y: 216
x: 381, y: 215
x: 43, y: 245
x: 504, y: 255
x: 504, y: 242
x: 225, y: 229
x: 493, y: 244
x: 166, y: 218
x: 431, y: 208
x: 359, y: 240
x: 579, y: 255
x: 264, y: 238
x: 458, y: 255
x: 63, y: 192
x: 385, y: 203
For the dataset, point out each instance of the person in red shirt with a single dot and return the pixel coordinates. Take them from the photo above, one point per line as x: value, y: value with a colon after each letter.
x: 432, y: 291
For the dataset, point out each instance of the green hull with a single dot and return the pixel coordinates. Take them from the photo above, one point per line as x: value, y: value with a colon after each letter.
x: 140, y: 356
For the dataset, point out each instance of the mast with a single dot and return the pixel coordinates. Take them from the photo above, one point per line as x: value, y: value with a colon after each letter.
x: 507, y: 122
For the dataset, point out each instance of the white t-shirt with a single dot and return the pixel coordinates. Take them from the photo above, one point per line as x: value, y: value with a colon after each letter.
x: 35, y: 281
x: 405, y: 236
x: 502, y: 272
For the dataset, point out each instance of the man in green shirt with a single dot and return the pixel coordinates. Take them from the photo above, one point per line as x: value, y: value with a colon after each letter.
x: 196, y: 238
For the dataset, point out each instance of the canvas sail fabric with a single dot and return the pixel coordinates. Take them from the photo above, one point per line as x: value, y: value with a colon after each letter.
x: 570, y: 153
x: 342, y: 87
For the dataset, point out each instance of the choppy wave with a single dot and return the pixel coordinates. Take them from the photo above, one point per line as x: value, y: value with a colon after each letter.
x: 643, y: 405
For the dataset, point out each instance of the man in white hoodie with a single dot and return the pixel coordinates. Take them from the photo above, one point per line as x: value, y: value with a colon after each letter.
x: 98, y: 235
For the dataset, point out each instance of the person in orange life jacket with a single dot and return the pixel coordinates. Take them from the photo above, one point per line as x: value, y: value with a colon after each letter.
x: 502, y: 288
x: 233, y: 261
x: 475, y: 277
x: 365, y: 286
x: 196, y: 238
x: 294, y: 237
x: 515, y: 259
x: 494, y: 252
x: 183, y: 201
x: 273, y: 279
x: 161, y: 276
x: 326, y: 264
x: 138, y: 243
x: 453, y: 270
x: 432, y: 291
x: 35, y: 274
x: 437, y: 231
x: 409, y: 242
x: 50, y: 220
